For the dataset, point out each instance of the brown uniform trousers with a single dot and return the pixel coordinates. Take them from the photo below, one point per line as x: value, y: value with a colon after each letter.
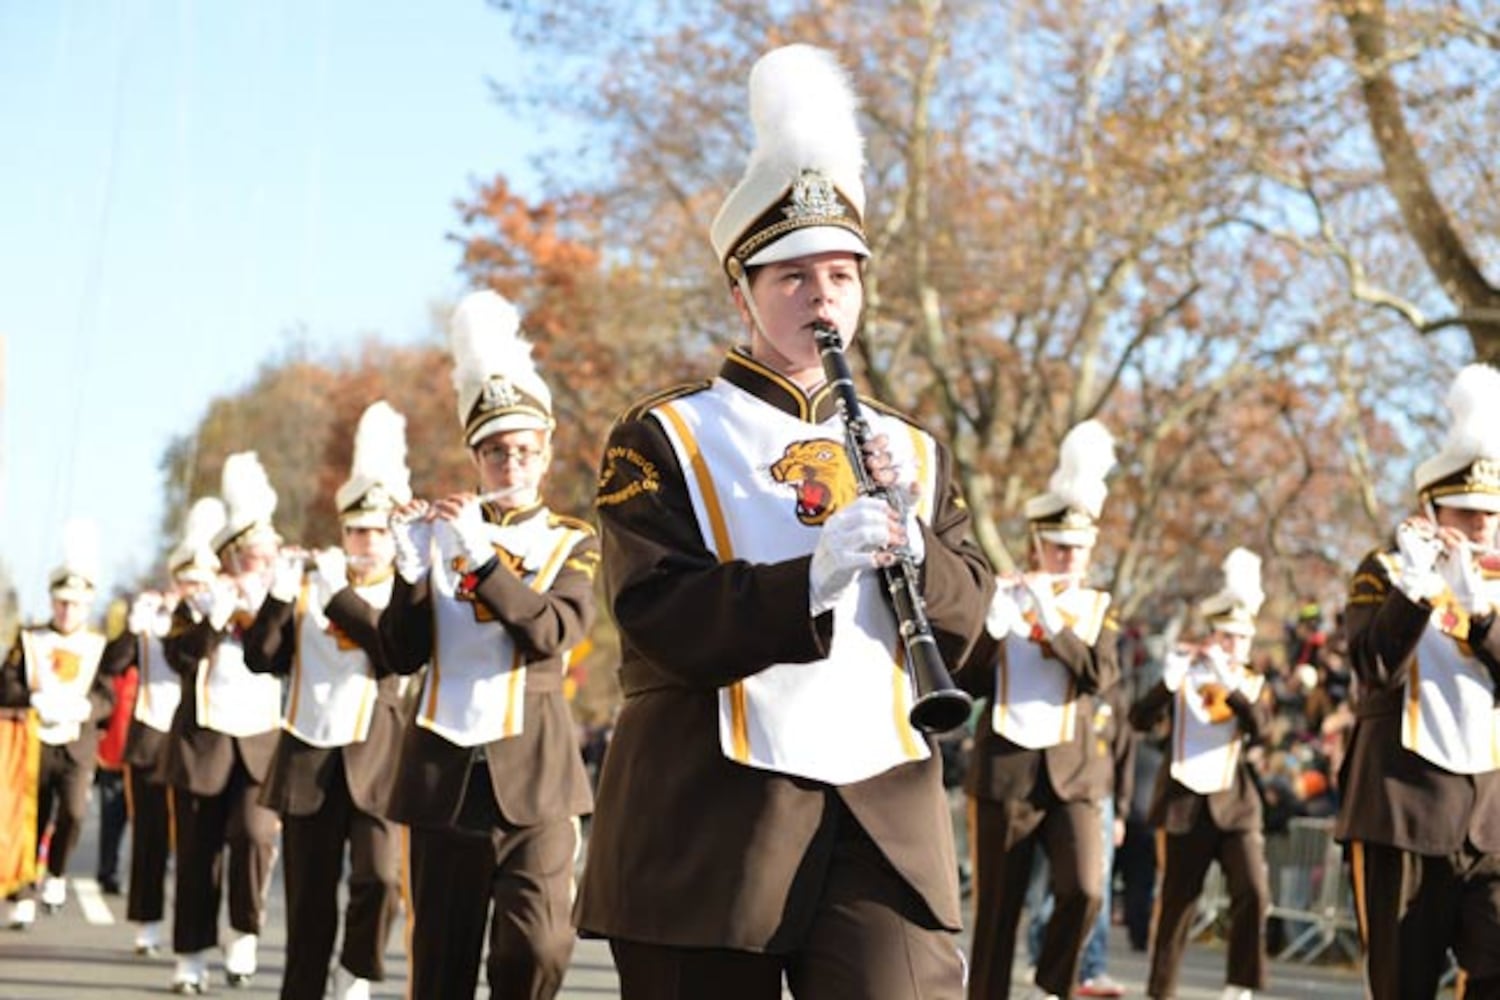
x: 1424, y: 842
x: 150, y: 823
x: 1023, y: 798
x: 330, y: 798
x: 492, y: 834
x: 712, y: 878
x: 1196, y: 830
x: 215, y: 781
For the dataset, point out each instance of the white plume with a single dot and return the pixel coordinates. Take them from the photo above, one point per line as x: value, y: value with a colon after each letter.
x: 485, y: 338
x: 1242, y: 580
x: 80, y: 542
x: 248, y: 496
x: 380, y: 450
x: 804, y: 111
x: 1474, y: 401
x: 1084, y: 459
x: 204, y: 519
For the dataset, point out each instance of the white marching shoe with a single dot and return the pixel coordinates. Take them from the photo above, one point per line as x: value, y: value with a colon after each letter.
x: 348, y: 986
x: 22, y: 914
x: 190, y: 977
x: 54, y: 893
x: 239, y: 958
x: 1237, y: 993
x: 148, y: 938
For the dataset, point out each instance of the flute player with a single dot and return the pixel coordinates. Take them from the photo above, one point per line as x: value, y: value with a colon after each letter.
x: 1048, y: 651
x: 766, y: 811
x: 493, y: 589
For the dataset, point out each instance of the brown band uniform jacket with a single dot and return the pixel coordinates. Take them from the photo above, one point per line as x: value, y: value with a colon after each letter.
x: 199, y: 759
x: 658, y: 872
x: 1174, y: 806
x: 537, y: 775
x: 1392, y: 796
x: 1078, y: 770
x: 15, y: 695
x: 300, y: 772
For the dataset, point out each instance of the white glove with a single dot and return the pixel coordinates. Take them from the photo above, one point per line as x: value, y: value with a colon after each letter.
x: 412, y: 534
x: 223, y: 603
x: 1039, y: 586
x: 143, y: 613
x: 1419, y: 549
x: 286, y: 577
x: 1217, y: 659
x: 1004, y: 615
x: 330, y: 575
x: 847, y: 544
x: 1174, y: 669
x: 467, y: 536
x: 1469, y: 586
x: 59, y: 708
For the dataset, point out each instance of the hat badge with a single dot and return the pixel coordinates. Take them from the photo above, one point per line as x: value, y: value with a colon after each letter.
x: 813, y: 197
x: 499, y: 392
x: 1486, y: 473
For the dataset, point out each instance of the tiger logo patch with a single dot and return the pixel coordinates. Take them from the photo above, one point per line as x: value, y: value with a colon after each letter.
x: 819, y: 473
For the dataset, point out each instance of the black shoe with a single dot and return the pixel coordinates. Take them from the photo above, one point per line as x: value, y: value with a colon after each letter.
x: 109, y: 886
x: 239, y: 980
x: 190, y: 989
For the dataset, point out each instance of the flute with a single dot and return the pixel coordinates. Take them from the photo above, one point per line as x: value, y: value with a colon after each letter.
x: 940, y: 705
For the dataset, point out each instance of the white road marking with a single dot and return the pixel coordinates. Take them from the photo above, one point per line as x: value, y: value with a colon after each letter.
x: 91, y: 901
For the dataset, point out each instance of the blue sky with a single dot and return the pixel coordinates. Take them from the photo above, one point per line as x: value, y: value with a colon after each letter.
x: 182, y: 184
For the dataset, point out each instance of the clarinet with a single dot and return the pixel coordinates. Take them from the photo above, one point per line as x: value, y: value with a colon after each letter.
x: 940, y: 705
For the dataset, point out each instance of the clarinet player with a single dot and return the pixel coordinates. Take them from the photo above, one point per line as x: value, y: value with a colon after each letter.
x: 767, y: 812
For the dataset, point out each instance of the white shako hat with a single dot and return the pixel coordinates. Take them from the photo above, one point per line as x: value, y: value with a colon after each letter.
x: 379, y: 480
x: 77, y: 578
x: 1465, y: 473
x: 1068, y: 512
x: 193, y: 560
x: 1234, y: 607
x: 499, y: 388
x: 801, y: 193
x: 249, y: 502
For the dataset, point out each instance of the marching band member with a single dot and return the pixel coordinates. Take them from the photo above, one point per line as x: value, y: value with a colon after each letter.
x: 766, y: 809
x: 223, y: 735
x: 1421, y: 806
x: 1206, y: 805
x: 193, y: 567
x: 331, y: 776
x: 61, y: 672
x: 494, y: 590
x: 1047, y: 653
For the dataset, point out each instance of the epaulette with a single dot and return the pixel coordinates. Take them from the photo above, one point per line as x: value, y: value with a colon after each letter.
x: 642, y: 406
x: 1368, y: 586
x: 556, y: 520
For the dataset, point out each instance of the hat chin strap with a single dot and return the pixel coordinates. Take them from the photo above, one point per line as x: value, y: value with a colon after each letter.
x: 741, y: 279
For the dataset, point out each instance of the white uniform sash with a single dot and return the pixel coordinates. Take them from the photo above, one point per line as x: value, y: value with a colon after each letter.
x: 331, y: 697
x: 475, y: 688
x: 1206, y: 739
x: 62, y: 667
x: 160, y: 689
x: 1036, y: 695
x: 1450, y: 718
x: 230, y: 698
x: 761, y: 483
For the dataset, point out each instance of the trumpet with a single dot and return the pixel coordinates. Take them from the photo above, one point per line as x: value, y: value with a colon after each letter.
x: 940, y: 705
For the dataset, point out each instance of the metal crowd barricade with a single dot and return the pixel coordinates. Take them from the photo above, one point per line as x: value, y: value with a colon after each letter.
x: 1310, y: 890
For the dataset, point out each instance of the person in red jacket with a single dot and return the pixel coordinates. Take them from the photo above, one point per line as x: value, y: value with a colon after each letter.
x: 109, y: 779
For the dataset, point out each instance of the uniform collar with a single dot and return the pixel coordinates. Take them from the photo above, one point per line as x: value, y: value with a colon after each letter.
x: 746, y: 373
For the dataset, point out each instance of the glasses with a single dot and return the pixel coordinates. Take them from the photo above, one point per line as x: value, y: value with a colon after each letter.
x: 499, y: 455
